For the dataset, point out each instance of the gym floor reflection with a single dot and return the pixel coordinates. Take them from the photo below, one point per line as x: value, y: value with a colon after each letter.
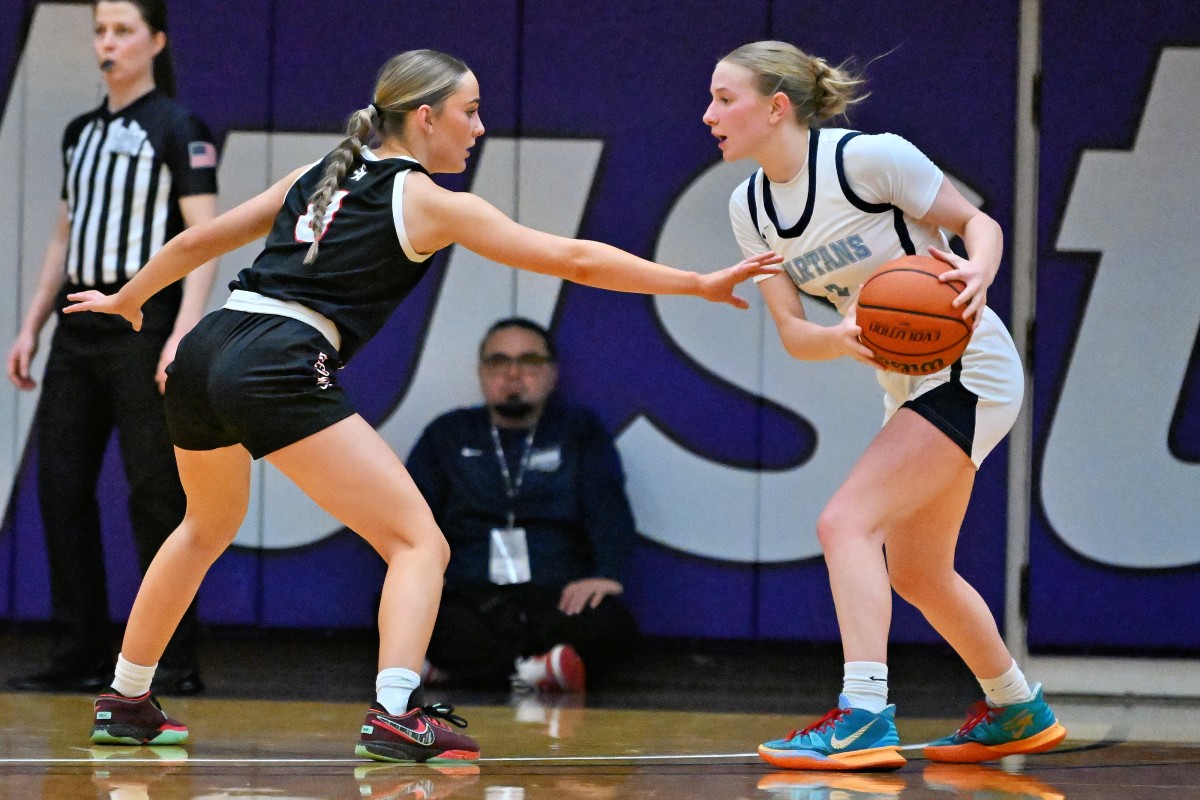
x: 555, y: 748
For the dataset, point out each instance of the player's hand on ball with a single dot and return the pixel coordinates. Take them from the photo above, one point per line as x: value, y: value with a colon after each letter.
x: 975, y: 279
x: 847, y: 332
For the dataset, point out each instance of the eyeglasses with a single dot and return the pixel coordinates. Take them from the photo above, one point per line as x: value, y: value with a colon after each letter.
x: 501, y: 362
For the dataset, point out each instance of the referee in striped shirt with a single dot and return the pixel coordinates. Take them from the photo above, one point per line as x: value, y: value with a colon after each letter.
x: 137, y: 170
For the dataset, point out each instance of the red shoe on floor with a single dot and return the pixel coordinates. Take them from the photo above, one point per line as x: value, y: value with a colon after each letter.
x: 134, y: 720
x: 420, y: 735
x: 558, y: 670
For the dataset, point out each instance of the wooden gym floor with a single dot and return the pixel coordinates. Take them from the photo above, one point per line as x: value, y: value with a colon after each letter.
x: 630, y: 738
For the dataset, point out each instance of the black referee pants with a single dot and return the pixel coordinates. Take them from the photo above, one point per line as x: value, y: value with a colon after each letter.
x: 94, y: 383
x: 481, y: 630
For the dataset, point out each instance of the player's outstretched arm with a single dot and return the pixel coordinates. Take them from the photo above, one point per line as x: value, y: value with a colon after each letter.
x: 194, y: 246
x: 439, y: 218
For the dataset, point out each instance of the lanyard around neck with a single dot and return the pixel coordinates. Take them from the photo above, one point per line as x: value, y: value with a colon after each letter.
x: 512, y: 486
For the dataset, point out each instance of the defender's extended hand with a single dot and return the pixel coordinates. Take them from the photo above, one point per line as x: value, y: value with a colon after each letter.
x: 92, y: 300
x: 718, y: 286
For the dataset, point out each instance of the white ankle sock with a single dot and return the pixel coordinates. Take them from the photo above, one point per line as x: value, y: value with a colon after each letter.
x: 865, y: 685
x: 133, y: 680
x: 394, y: 686
x: 1009, y: 688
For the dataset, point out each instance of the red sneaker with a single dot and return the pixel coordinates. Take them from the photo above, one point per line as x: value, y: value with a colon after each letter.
x: 558, y: 670
x: 134, y: 720
x: 419, y: 735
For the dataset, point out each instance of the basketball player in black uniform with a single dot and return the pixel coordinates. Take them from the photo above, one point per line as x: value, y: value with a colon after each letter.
x: 347, y: 239
x: 137, y: 170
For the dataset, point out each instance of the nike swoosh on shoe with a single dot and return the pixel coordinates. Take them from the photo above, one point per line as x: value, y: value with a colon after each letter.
x: 842, y: 744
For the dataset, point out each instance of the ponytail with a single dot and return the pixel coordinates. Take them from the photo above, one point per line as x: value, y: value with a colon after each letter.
x: 358, y: 133
x: 405, y: 83
x: 816, y: 90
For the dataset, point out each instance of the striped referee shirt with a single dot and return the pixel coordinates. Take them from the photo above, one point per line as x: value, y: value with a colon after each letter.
x: 123, y: 175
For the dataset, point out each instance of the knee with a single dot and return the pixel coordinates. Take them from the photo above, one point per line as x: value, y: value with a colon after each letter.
x: 434, y: 548
x: 212, y: 529
x: 426, y: 544
x: 838, y: 526
x: 918, y: 587
x: 441, y: 552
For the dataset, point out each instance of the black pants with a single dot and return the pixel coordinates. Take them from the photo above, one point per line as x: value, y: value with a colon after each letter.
x: 481, y: 630
x: 93, y: 384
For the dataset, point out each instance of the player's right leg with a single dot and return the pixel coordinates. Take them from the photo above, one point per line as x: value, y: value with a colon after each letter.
x: 217, y: 484
x: 908, y: 466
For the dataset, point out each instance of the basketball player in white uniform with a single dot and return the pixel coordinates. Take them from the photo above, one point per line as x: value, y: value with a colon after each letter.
x: 837, y: 204
x: 855, y: 204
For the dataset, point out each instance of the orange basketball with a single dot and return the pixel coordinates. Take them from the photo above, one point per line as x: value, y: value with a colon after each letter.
x: 906, y: 317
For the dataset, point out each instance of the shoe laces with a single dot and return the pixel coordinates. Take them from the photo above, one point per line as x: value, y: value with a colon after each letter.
x: 824, y: 723
x: 440, y: 711
x: 979, y: 713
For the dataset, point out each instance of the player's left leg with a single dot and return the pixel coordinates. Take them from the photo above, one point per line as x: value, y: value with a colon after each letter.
x: 905, y: 469
x: 351, y: 472
x: 920, y: 556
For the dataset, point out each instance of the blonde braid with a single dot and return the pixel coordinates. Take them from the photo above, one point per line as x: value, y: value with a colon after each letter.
x: 358, y: 132
x: 405, y: 83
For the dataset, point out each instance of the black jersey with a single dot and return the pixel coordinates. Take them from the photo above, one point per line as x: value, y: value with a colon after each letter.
x: 123, y: 175
x: 364, y: 267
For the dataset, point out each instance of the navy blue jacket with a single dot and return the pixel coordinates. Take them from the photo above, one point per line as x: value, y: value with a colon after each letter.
x: 571, y: 502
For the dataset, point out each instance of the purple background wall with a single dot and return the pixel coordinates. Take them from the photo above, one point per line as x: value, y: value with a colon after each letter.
x: 636, y: 75
x: 1097, y: 69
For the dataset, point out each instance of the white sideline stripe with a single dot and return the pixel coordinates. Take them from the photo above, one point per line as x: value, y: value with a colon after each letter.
x: 362, y: 760
x: 621, y: 758
x: 186, y: 761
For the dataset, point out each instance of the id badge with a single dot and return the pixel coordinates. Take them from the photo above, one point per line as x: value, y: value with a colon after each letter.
x: 509, y: 562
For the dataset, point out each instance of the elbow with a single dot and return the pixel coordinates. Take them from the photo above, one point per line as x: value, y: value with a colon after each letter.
x: 804, y: 345
x: 794, y: 350
x: 999, y: 232
x: 575, y: 262
x: 981, y: 223
x: 793, y: 341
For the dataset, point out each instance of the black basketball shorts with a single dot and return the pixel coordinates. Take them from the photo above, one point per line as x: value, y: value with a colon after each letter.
x: 260, y: 380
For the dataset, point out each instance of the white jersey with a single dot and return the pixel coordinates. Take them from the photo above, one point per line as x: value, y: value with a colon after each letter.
x: 856, y: 204
x: 834, y: 231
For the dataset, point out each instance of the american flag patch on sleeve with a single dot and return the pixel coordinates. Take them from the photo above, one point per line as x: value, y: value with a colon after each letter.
x: 201, y: 155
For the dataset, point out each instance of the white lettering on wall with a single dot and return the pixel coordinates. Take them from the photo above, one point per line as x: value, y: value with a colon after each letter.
x: 1110, y: 486
x: 46, y: 93
x: 693, y: 504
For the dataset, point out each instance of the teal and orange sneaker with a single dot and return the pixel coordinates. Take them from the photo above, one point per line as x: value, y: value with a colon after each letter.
x: 844, y: 739
x: 976, y: 780
x: 833, y: 785
x: 992, y: 732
